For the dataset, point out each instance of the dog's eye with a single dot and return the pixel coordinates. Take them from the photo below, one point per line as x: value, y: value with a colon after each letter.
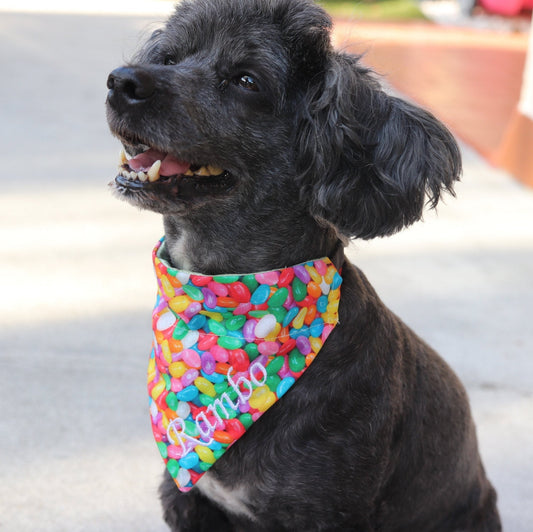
x: 169, y: 60
x: 247, y: 82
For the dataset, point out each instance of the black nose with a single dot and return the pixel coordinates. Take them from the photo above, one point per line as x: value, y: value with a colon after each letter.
x: 129, y: 85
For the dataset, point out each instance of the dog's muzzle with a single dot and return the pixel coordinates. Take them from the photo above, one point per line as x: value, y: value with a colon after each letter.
x: 144, y: 165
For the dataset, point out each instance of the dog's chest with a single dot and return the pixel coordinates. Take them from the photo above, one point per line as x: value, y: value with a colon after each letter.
x: 234, y: 500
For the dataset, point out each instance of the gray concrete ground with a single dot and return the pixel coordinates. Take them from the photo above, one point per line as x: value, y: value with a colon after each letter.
x: 76, y: 285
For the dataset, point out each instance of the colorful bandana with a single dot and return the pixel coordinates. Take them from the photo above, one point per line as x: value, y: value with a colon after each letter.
x: 226, y: 348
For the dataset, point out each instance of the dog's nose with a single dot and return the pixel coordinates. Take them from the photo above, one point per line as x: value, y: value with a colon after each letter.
x: 129, y: 85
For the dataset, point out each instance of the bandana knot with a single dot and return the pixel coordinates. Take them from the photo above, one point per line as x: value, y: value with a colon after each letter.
x: 225, y: 349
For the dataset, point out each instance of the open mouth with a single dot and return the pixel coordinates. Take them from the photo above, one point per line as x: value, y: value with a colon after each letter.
x: 152, y: 165
x: 152, y: 168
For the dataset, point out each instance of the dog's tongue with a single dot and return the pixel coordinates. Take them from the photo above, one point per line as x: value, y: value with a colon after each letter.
x: 169, y: 164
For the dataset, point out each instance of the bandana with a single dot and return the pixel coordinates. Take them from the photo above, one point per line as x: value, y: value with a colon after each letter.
x: 226, y: 348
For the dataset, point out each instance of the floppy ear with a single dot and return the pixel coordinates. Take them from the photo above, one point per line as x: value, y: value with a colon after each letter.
x: 368, y: 160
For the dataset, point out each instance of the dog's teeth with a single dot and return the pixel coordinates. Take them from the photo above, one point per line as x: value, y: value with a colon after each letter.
x: 188, y: 173
x: 133, y: 176
x: 202, y: 171
x: 214, y: 170
x: 123, y: 157
x: 142, y: 176
x: 153, y: 173
x: 124, y: 173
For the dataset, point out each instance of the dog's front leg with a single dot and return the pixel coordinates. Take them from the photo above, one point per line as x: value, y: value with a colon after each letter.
x: 191, y: 512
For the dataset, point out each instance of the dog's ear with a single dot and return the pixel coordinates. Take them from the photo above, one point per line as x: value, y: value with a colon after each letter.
x: 368, y: 161
x: 305, y: 28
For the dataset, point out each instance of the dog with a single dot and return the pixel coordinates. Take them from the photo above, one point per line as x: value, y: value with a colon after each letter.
x: 264, y: 147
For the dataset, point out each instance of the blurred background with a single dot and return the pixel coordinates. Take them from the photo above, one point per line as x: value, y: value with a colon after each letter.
x: 77, y: 288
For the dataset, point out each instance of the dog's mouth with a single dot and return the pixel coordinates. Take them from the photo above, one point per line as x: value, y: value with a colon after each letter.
x: 153, y: 170
x: 152, y: 165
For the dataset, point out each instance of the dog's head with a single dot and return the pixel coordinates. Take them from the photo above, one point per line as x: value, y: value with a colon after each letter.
x: 248, y: 107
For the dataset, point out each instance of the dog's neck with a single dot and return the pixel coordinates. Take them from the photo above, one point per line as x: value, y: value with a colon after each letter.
x: 221, y: 249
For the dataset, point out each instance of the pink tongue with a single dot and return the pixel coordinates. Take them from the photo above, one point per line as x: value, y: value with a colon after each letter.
x: 169, y: 164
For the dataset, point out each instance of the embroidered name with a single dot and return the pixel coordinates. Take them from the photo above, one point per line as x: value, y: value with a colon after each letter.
x: 206, y: 424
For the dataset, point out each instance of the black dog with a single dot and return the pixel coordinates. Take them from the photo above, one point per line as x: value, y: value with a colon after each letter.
x: 276, y: 150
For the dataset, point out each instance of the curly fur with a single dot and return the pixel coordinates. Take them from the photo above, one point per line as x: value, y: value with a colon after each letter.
x: 316, y: 154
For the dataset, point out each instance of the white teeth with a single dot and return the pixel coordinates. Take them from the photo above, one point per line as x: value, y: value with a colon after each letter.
x: 142, y: 176
x: 122, y: 157
x: 153, y: 173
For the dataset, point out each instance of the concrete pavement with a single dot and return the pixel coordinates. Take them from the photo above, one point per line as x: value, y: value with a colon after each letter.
x: 76, y: 285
